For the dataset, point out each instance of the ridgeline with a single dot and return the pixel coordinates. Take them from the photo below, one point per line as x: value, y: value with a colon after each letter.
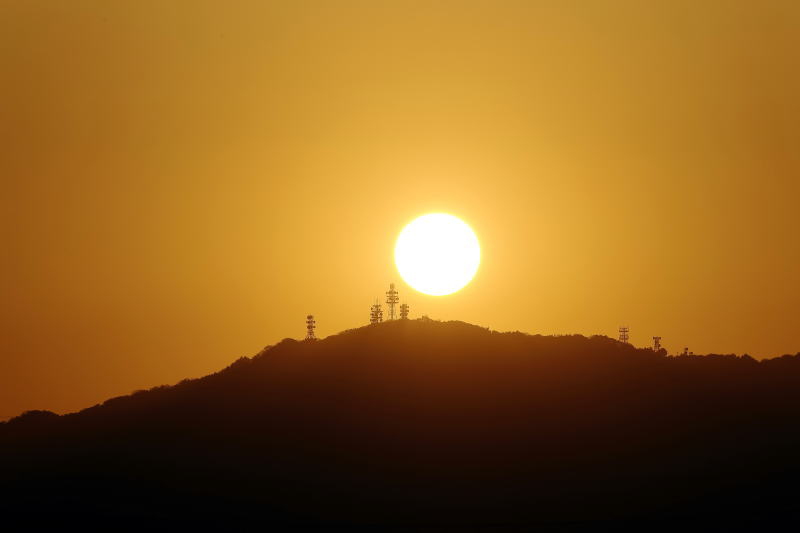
x: 418, y: 422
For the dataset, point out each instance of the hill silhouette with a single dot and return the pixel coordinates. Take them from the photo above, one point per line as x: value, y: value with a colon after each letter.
x: 419, y: 422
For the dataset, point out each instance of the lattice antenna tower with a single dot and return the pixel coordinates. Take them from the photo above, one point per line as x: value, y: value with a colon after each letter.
x: 656, y: 344
x: 623, y: 334
x: 310, y: 325
x: 403, y: 311
x: 375, y: 313
x: 391, y: 300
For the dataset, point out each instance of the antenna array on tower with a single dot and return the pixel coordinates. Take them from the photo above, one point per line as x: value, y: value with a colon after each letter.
x: 391, y: 300
x: 310, y: 325
x: 656, y: 344
x: 404, y: 312
x: 623, y: 334
x: 375, y: 313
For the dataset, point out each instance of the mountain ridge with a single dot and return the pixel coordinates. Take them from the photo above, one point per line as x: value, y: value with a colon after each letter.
x: 360, y: 330
x: 425, y: 422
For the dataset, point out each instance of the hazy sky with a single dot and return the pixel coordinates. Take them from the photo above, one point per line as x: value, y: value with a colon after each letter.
x: 184, y: 181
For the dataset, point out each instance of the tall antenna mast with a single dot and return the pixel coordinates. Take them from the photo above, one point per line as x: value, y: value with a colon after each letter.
x: 623, y: 334
x: 310, y: 325
x: 375, y: 313
x: 656, y: 344
x: 403, y: 311
x: 391, y: 300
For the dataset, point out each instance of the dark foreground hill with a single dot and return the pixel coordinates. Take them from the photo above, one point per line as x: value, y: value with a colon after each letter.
x: 425, y: 423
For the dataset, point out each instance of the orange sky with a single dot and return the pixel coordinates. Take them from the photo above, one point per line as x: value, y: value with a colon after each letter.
x: 184, y: 181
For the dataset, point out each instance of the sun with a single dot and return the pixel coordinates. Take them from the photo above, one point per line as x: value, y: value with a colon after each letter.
x: 437, y: 254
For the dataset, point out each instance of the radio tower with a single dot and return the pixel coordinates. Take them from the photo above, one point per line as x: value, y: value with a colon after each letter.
x: 310, y: 325
x: 623, y: 334
x: 656, y: 344
x: 375, y: 313
x: 403, y: 311
x: 391, y: 300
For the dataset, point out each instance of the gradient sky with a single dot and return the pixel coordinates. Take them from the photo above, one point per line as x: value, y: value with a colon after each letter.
x: 184, y: 181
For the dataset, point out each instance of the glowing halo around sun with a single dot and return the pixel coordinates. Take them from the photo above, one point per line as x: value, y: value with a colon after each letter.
x: 437, y: 254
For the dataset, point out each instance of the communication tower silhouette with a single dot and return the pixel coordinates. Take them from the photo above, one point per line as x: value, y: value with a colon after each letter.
x: 375, y: 313
x: 391, y: 300
x: 623, y: 334
x: 656, y: 344
x: 403, y: 311
x: 310, y: 325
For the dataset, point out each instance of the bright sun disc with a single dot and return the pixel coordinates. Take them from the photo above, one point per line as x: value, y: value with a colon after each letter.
x: 437, y: 254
